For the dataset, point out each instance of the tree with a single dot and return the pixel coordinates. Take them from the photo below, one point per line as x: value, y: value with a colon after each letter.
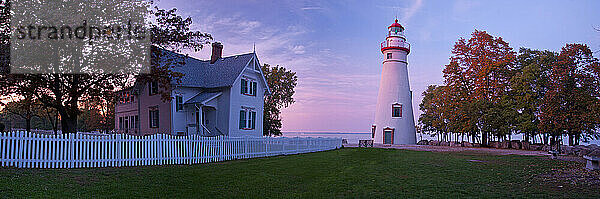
x: 487, y: 64
x: 65, y: 92
x: 4, y: 36
x: 571, y: 104
x: 528, y: 87
x: 25, y: 108
x: 433, y: 120
x: 282, y: 83
x: 171, y: 35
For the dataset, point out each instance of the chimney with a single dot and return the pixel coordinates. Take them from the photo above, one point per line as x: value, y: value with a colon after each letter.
x: 217, y: 51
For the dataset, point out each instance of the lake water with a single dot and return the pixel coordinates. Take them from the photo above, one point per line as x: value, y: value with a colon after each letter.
x: 351, y: 137
x: 354, y: 137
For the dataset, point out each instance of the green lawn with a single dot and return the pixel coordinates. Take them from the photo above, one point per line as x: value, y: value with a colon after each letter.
x: 344, y: 173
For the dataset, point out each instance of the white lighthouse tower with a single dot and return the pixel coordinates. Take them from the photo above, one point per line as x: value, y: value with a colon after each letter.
x: 394, y: 121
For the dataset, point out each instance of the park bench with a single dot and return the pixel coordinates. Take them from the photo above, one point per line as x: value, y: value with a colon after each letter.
x: 592, y: 160
x: 365, y: 143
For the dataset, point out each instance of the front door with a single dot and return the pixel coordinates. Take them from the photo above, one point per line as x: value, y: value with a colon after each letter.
x: 387, y: 136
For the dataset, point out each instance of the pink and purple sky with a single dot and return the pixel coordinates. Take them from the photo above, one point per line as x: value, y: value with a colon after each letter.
x: 334, y: 45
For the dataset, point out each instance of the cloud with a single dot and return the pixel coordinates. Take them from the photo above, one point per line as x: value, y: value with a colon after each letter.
x: 406, y: 12
x: 299, y: 49
x: 312, y: 8
x: 410, y: 12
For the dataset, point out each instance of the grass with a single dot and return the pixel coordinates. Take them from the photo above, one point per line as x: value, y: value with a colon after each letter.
x: 344, y: 173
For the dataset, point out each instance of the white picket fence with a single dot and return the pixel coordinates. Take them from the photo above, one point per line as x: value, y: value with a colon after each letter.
x: 29, y: 150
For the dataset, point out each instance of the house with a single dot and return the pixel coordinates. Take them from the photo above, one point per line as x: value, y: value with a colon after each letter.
x: 221, y: 96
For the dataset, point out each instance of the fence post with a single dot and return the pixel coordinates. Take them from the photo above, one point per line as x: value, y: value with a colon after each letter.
x: 19, y: 151
x: 222, y: 146
x: 267, y: 146
x: 245, y: 146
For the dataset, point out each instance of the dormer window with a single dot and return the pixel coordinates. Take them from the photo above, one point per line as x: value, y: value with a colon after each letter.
x: 396, y: 110
x: 248, y: 87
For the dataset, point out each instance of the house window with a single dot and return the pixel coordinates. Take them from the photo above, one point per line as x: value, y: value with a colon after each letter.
x: 137, y: 121
x: 389, y: 55
x: 178, y: 103
x: 152, y: 88
x: 252, y: 87
x: 247, y: 119
x: 120, y: 122
x: 153, y: 118
x: 248, y: 87
x: 397, y: 110
x: 126, y: 122
x: 132, y: 122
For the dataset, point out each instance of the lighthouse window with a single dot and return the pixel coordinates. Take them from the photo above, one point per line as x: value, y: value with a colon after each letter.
x: 389, y: 55
x: 397, y: 110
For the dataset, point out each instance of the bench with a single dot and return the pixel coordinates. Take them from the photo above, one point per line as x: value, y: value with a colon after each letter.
x: 592, y: 162
x: 365, y: 143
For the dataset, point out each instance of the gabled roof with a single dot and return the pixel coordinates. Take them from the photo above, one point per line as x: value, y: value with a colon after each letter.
x: 203, y: 97
x: 222, y: 73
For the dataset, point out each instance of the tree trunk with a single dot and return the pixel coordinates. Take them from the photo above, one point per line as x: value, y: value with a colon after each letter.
x: 484, y: 139
x: 28, y: 124
x: 55, y: 124
x: 68, y: 125
x: 571, y: 140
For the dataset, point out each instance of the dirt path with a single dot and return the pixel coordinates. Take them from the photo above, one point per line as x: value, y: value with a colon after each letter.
x: 490, y: 151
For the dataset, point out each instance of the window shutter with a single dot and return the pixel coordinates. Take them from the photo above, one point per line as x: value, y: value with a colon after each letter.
x: 242, y: 119
x: 244, y: 86
x: 254, y: 88
x: 253, y: 119
x: 150, y: 120
x: 179, y: 103
x: 131, y: 122
x: 156, y: 118
x: 154, y: 88
x: 400, y: 110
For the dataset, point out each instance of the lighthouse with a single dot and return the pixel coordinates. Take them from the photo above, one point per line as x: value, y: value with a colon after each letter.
x: 394, y: 120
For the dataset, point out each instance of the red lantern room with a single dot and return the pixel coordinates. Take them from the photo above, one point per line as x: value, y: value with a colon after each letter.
x: 396, y: 29
x: 395, y: 38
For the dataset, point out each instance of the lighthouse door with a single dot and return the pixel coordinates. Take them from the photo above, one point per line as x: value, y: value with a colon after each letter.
x: 388, y: 135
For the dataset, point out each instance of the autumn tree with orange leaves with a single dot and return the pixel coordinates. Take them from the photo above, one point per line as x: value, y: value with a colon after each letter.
x: 477, y: 77
x: 571, y: 106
